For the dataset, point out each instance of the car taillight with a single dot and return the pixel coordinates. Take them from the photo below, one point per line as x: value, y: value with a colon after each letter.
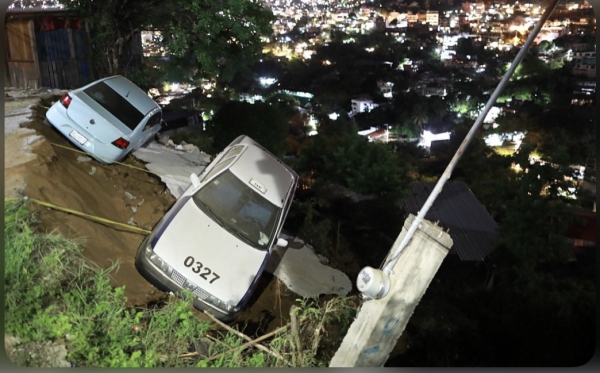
x: 121, y: 143
x: 66, y: 100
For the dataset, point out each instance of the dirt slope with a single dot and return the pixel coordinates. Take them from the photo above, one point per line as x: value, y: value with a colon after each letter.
x: 72, y: 180
x: 69, y: 179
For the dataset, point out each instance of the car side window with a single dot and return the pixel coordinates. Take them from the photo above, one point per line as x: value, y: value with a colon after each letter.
x: 153, y: 121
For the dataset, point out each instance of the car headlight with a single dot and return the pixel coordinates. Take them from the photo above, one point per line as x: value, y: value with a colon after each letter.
x: 190, y: 286
x: 157, y: 260
x: 220, y: 304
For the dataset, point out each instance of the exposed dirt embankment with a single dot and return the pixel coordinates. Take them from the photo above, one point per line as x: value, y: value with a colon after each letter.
x: 69, y: 179
x: 72, y: 180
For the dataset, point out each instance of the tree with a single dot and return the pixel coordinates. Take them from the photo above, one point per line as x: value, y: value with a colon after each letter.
x: 203, y: 38
x: 537, y: 295
x: 535, y: 268
x: 345, y: 158
x: 214, y: 37
x: 113, y: 23
x: 545, y: 46
x: 296, y: 76
x: 408, y: 129
x: 438, y: 108
x: 419, y: 116
x: 531, y: 65
x: 264, y: 123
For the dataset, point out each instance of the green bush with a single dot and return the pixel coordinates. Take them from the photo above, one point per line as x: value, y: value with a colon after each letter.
x: 347, y: 159
x: 53, y: 292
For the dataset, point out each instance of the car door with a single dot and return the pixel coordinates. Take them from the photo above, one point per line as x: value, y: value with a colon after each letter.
x: 149, y: 128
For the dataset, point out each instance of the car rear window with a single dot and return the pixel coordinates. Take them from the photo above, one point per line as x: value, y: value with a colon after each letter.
x: 116, y: 104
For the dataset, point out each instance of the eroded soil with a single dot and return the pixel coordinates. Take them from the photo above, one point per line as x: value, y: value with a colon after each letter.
x: 67, y: 178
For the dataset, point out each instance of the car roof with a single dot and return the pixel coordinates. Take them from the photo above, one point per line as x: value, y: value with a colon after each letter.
x: 132, y: 93
x: 256, y: 163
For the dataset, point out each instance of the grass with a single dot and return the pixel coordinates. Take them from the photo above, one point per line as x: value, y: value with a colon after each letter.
x: 53, y: 293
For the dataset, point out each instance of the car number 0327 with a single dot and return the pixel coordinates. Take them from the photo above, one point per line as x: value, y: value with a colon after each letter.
x: 198, y: 267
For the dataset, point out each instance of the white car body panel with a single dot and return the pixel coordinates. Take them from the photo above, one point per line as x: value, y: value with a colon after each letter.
x: 104, y: 152
x: 83, y: 110
x: 192, y: 233
x: 267, y: 172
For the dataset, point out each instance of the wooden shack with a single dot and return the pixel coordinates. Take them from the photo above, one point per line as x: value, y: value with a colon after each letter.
x: 46, y: 48
x: 50, y: 47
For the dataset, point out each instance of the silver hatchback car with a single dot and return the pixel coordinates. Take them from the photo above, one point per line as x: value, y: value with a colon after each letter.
x: 107, y: 118
x: 219, y: 236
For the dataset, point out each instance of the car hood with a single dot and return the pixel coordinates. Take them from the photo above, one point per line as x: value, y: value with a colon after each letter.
x: 192, y: 233
x: 106, y: 128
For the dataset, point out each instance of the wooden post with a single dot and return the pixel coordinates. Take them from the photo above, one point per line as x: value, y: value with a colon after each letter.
x: 295, y: 336
x: 71, y: 44
x: 36, y: 62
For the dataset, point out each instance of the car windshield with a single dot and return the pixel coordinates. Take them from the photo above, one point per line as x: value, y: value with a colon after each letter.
x: 237, y: 207
x: 116, y: 104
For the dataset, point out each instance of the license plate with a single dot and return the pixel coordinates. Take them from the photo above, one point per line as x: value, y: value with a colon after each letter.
x: 79, y: 137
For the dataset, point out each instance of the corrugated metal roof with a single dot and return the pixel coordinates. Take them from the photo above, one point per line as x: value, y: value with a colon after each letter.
x: 456, y: 208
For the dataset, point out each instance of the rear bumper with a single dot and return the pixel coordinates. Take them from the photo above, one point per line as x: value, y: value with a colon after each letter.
x: 103, y: 152
x: 161, y: 281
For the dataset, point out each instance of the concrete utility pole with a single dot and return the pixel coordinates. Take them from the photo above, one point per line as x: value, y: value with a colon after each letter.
x: 380, y: 322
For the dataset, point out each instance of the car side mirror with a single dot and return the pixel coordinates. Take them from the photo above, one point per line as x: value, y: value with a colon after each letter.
x: 282, y: 242
x: 195, y: 180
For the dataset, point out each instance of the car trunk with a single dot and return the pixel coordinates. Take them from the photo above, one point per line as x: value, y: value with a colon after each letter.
x: 106, y: 128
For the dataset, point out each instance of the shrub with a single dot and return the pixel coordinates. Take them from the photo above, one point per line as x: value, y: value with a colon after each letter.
x: 54, y: 294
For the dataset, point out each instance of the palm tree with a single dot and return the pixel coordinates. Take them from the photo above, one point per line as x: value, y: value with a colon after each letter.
x: 419, y: 116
